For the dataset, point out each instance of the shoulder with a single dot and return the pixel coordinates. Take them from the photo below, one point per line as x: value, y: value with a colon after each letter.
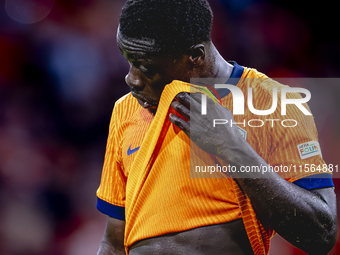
x: 264, y: 85
x: 126, y: 102
x: 257, y: 80
x: 125, y: 107
x: 260, y: 85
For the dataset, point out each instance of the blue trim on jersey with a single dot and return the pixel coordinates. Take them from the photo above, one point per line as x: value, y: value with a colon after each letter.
x: 111, y: 210
x: 233, y: 80
x: 316, y: 181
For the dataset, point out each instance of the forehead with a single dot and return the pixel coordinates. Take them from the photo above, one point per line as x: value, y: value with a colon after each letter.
x: 138, y: 47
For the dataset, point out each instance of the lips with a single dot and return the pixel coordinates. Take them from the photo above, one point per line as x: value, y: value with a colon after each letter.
x: 145, y: 103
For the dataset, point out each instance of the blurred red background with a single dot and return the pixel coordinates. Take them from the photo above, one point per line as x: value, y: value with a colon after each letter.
x: 60, y: 74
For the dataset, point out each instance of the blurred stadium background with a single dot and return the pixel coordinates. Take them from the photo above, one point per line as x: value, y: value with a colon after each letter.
x: 60, y: 74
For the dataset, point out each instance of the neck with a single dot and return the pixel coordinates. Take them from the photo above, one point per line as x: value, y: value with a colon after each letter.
x: 219, y: 67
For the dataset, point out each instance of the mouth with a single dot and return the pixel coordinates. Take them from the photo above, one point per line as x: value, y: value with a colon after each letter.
x: 145, y: 103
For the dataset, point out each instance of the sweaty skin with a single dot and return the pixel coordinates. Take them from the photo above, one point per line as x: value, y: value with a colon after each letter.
x: 228, y: 238
x: 289, y: 210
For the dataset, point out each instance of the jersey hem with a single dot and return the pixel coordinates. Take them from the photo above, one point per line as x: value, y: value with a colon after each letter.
x: 316, y: 181
x: 111, y: 210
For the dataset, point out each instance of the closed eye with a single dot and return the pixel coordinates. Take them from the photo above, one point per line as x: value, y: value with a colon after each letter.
x: 147, y: 70
x: 143, y: 69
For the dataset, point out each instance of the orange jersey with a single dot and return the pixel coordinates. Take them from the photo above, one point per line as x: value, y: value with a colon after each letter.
x: 165, y: 199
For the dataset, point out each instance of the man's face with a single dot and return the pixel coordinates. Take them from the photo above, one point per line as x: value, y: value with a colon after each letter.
x: 149, y: 71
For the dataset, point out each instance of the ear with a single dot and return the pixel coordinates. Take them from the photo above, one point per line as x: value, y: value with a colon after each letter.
x: 197, y: 55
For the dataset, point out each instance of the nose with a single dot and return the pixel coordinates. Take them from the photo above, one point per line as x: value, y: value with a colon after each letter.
x: 133, y: 79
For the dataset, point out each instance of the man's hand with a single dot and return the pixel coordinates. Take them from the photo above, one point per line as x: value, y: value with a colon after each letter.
x: 200, y: 128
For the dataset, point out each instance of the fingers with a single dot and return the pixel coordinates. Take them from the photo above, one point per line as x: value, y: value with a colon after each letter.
x: 182, y: 104
x: 184, y: 98
x: 187, y: 98
x: 185, y: 103
x: 179, y: 122
x: 182, y: 109
x: 192, y: 100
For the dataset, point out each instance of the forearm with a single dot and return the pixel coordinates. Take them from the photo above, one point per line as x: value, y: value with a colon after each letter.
x: 106, y: 248
x: 298, y: 215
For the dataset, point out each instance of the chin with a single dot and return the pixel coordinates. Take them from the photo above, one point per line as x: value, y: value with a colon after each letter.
x: 152, y: 111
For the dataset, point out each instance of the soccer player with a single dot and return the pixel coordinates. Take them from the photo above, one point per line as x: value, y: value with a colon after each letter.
x: 153, y: 205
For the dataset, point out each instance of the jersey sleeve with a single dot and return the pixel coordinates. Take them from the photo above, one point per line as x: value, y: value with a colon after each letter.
x: 295, y: 152
x: 111, y: 192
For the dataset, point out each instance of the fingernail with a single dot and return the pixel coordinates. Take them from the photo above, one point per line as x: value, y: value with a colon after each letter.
x: 180, y: 96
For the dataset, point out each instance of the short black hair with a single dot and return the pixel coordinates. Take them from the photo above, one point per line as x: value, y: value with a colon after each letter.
x: 174, y: 25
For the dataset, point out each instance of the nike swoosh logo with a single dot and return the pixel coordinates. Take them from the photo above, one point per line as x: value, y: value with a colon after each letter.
x: 130, y: 152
